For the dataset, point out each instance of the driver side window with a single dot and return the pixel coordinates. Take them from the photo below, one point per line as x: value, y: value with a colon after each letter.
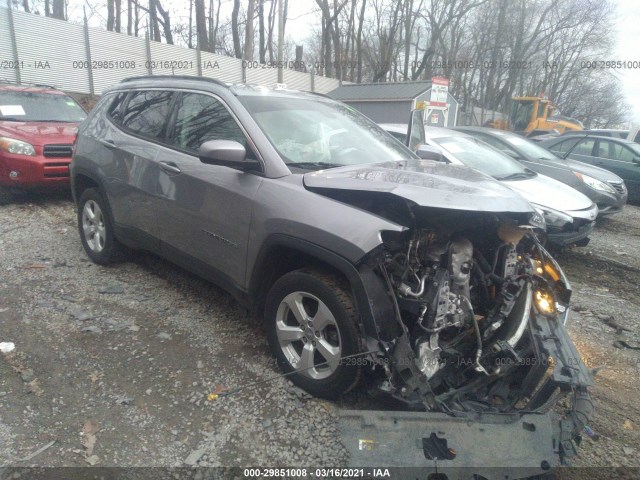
x: 201, y: 118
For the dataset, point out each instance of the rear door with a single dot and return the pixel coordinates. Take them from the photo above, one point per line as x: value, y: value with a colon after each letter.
x: 143, y: 120
x: 205, y: 211
x: 584, y: 151
x: 619, y: 159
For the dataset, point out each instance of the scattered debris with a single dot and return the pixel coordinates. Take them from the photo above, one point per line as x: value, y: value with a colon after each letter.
x: 34, y: 387
x: 113, y: 289
x: 164, y: 336
x: 7, y: 347
x: 27, y: 375
x: 38, y: 452
x: 36, y: 266
x: 124, y: 400
x: 92, y: 329
x: 81, y: 315
x: 610, y: 321
x: 89, y: 430
x: 622, y: 344
x: 194, y: 456
x: 92, y: 460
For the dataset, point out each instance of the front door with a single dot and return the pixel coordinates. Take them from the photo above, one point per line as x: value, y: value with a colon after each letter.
x: 206, y: 209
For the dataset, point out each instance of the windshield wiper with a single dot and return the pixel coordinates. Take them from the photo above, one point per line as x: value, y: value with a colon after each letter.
x: 309, y: 165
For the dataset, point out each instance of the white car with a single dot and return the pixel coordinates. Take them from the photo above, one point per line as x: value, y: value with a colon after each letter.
x: 569, y: 215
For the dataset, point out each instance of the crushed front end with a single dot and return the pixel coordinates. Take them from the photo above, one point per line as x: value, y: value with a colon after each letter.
x: 474, y: 341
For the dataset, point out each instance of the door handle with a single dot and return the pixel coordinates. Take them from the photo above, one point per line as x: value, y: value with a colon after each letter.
x: 107, y: 143
x: 170, y: 167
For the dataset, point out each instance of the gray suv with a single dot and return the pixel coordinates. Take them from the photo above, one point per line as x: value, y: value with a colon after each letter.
x: 366, y: 261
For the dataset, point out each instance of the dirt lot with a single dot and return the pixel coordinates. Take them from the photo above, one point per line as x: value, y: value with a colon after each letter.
x: 114, y: 365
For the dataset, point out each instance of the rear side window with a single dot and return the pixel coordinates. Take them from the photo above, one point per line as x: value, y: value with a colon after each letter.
x: 201, y: 118
x: 565, y: 146
x: 116, y: 108
x: 615, y: 151
x: 147, y: 112
x: 585, y: 147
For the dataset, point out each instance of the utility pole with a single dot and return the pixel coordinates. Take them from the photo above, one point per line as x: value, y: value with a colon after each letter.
x: 280, y: 41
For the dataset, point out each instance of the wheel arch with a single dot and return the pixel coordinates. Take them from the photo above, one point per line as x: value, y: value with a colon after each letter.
x: 281, y: 254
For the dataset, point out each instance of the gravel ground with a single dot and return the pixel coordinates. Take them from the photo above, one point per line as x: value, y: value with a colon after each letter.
x: 114, y: 365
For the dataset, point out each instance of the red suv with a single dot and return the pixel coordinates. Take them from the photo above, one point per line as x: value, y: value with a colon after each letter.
x: 37, y: 129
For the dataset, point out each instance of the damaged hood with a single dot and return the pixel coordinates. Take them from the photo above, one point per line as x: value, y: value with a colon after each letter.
x: 425, y: 183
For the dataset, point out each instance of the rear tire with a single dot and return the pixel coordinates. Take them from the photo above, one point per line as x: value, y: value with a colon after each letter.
x: 312, y: 325
x: 96, y: 228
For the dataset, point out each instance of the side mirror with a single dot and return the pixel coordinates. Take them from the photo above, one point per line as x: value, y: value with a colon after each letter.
x: 227, y: 153
x: 427, y: 152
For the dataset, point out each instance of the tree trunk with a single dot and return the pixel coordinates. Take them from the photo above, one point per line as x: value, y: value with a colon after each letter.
x: 271, y: 24
x: 110, y: 15
x: 153, y: 18
x: 58, y: 9
x: 25, y: 5
x: 118, y: 15
x: 248, y: 39
x: 237, y: 48
x: 166, y: 22
x: 201, y: 26
x: 129, y: 17
x: 190, y: 42
x: 262, y: 51
x: 359, y: 41
x: 136, y: 19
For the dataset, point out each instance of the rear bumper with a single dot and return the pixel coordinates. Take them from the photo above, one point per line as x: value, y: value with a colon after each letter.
x: 33, y: 172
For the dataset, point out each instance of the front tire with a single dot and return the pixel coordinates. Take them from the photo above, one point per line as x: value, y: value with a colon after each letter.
x: 96, y: 228
x: 5, y: 196
x: 312, y: 326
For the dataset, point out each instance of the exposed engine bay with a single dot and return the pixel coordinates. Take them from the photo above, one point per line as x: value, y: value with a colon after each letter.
x: 473, y: 314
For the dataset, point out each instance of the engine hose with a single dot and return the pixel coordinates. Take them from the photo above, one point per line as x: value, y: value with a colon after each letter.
x: 476, y: 327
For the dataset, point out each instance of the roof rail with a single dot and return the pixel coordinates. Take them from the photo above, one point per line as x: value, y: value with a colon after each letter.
x: 175, y: 77
x: 23, y: 84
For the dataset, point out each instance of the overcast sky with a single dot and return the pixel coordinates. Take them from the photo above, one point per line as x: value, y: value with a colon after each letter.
x: 304, y: 14
x: 629, y: 50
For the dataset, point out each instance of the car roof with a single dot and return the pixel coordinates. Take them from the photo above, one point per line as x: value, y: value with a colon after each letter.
x: 489, y: 131
x: 16, y: 87
x: 209, y: 84
x: 596, y: 137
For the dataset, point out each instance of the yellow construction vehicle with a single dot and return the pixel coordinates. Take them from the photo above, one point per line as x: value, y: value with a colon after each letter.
x: 532, y: 116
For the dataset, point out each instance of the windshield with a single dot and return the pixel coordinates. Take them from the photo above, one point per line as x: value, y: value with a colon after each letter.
x: 318, y: 134
x: 521, y: 113
x: 39, y: 107
x: 478, y: 155
x: 529, y: 148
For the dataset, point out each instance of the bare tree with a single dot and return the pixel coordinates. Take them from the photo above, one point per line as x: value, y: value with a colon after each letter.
x: 201, y: 26
x: 248, y: 39
x: 237, y: 48
x: 58, y: 10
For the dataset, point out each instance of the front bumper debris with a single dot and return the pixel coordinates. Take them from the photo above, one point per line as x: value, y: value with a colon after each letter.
x: 493, y: 446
